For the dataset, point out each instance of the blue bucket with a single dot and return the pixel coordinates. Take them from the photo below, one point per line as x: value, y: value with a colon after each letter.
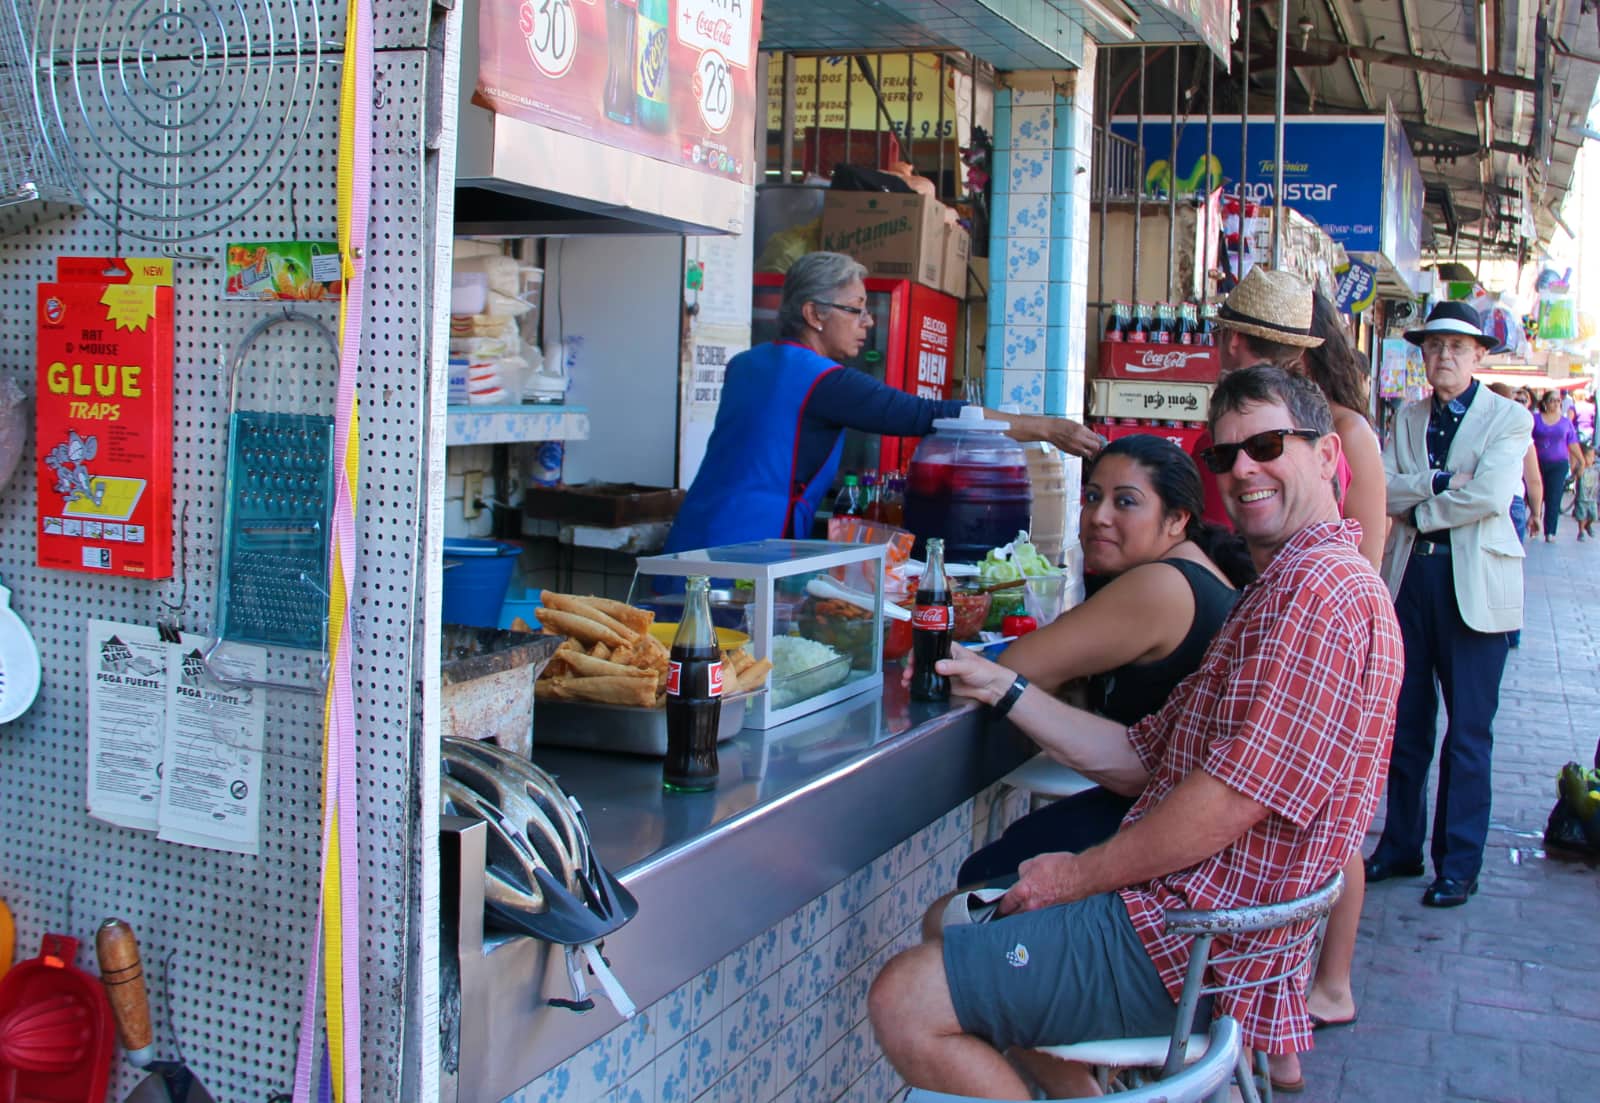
x: 477, y: 573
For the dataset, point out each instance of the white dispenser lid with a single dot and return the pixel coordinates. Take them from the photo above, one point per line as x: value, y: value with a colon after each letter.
x: 971, y: 421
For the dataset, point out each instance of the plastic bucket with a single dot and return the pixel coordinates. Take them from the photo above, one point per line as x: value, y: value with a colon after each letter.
x: 521, y: 603
x: 477, y: 573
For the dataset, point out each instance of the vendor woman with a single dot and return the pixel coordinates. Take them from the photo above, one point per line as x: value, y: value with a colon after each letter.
x: 775, y: 446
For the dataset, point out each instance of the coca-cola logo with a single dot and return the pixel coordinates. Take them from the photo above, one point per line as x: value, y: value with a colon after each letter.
x: 719, y: 31
x: 933, y: 618
x: 1166, y: 360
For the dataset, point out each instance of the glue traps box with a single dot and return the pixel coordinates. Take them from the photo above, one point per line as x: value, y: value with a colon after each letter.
x: 104, y: 416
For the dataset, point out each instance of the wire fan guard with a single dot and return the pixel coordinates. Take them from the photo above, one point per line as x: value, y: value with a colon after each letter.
x: 175, y: 118
x: 30, y: 173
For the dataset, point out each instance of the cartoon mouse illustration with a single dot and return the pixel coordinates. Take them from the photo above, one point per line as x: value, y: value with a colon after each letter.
x: 69, y: 460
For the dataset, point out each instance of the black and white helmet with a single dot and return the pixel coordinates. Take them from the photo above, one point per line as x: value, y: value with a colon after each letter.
x: 543, y: 878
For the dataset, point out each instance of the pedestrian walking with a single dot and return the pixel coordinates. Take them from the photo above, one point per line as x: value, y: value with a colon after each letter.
x: 1583, y: 509
x: 1454, y: 566
x: 1556, y: 439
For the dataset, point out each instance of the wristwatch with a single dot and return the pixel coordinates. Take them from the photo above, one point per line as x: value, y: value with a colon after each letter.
x: 1011, y: 696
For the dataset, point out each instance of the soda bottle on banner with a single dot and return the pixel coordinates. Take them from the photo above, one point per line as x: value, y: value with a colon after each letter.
x: 621, y: 16
x: 932, y: 623
x: 694, y: 695
x: 650, y: 69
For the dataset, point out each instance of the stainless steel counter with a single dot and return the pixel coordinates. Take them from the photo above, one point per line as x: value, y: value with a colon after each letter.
x: 797, y: 809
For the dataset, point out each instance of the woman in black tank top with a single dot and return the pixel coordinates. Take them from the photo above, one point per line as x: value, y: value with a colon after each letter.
x: 1171, y: 582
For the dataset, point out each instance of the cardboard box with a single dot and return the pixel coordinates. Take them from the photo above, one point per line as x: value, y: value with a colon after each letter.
x: 957, y: 253
x: 895, y: 236
x: 1185, y: 437
x: 1160, y: 399
x: 1167, y: 363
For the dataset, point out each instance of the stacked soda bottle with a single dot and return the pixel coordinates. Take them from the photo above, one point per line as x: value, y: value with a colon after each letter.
x: 1161, y: 323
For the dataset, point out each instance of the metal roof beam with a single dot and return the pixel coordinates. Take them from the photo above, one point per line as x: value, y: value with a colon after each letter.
x: 1408, y: 22
x: 1421, y: 65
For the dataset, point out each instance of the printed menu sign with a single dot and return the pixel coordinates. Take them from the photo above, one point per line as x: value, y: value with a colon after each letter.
x: 104, y: 416
x: 670, y: 79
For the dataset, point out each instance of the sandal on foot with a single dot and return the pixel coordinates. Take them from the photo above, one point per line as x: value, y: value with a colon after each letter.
x: 1319, y: 1023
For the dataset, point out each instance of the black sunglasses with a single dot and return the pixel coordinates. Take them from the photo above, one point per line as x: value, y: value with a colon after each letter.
x: 1262, y: 447
x: 856, y: 310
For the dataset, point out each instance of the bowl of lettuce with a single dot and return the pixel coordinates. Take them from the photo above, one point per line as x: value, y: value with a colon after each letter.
x: 1009, y: 563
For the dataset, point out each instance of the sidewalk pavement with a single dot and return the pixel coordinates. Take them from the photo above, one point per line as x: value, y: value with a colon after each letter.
x: 1499, y: 999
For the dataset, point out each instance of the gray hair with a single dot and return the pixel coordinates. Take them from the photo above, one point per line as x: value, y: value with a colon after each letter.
x: 814, y: 278
x: 1308, y: 408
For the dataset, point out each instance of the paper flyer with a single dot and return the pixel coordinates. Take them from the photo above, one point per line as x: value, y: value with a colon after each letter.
x: 172, y: 749
x: 127, y: 666
x: 211, y: 773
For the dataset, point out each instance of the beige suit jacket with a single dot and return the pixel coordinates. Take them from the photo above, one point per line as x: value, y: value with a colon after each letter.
x: 1485, y: 554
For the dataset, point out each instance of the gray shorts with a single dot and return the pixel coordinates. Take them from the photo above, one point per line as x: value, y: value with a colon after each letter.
x: 1073, y: 973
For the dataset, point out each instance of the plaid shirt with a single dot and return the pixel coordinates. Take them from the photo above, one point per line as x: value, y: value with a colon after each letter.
x: 1292, y: 706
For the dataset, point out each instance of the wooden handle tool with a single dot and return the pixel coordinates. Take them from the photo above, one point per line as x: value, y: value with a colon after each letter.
x: 122, y: 973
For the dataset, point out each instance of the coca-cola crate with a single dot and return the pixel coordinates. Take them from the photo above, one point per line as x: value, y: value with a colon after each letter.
x: 1149, y: 360
x: 1184, y: 436
x: 1160, y: 399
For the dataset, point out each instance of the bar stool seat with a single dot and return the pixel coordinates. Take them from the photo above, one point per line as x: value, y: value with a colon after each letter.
x: 1044, y: 779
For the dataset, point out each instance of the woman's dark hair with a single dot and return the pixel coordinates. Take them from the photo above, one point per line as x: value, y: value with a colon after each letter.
x: 1176, y: 481
x: 1335, y: 366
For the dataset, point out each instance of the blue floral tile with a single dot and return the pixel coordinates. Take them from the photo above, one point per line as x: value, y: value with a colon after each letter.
x: 765, y: 958
x: 761, y: 1075
x: 672, y: 1016
x: 738, y: 975
x: 672, y: 1075
x: 705, y: 1057
x: 812, y: 1087
x: 885, y: 1082
x: 594, y: 1070
x: 849, y: 947
x: 806, y: 926
x: 732, y: 1088
x: 836, y: 1069
x: 1026, y: 304
x: 1028, y: 215
x: 639, y: 1089
x: 1025, y: 258
x: 554, y: 1086
x: 705, y: 993
x: 1032, y: 127
x: 1030, y: 171
x: 636, y: 1043
x: 750, y: 1023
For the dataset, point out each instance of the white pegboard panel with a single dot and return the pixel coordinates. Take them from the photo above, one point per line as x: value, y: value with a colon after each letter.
x: 225, y: 936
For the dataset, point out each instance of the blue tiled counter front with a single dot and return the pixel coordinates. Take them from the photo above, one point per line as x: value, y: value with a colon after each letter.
x: 766, y: 907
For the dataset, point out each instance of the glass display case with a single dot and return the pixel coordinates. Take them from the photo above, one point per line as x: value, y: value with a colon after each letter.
x: 814, y: 608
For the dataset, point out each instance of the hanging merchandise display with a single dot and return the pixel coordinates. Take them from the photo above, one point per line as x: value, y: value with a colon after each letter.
x: 19, y: 663
x: 336, y: 946
x: 1558, y: 318
x: 122, y: 973
x: 56, y: 1034
x: 104, y: 416
x: 279, y: 271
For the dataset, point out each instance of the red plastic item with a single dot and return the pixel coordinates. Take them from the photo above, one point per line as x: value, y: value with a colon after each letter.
x: 57, y: 1037
x: 1183, y: 436
x: 1018, y: 624
x: 1159, y: 363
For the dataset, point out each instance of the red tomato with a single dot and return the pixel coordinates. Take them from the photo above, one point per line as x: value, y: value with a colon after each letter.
x: 1017, y: 625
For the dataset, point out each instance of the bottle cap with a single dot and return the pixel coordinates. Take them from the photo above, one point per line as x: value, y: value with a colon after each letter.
x: 971, y: 420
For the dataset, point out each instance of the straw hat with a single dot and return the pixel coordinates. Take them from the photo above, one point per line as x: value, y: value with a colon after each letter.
x: 1276, y: 306
x: 1453, y: 317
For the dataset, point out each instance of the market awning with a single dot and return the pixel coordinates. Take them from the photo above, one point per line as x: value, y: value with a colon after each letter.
x: 1532, y: 380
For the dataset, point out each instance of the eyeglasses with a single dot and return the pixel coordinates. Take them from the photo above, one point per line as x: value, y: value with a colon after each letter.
x: 858, y: 311
x: 1458, y: 349
x: 1262, y: 447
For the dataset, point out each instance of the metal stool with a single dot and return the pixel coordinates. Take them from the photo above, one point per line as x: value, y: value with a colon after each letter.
x: 1043, y: 779
x: 1169, y: 1054
x: 1205, y: 1079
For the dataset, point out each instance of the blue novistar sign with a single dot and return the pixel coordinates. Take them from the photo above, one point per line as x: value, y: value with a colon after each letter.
x: 1333, y: 171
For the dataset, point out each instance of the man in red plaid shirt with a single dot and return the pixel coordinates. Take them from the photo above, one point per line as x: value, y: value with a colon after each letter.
x: 1256, y: 783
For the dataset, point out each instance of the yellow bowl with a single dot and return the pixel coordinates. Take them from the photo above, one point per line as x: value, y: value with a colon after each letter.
x: 727, y: 638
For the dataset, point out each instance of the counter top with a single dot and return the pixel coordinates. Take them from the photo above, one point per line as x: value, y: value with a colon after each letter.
x: 797, y: 809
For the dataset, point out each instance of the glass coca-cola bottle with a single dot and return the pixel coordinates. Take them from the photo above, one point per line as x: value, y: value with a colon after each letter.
x: 621, y: 24
x: 694, y: 695
x: 1143, y: 323
x: 932, y: 625
x: 1116, y: 321
x: 1166, y: 322
x: 1208, y: 325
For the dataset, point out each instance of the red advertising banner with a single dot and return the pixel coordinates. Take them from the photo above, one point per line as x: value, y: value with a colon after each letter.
x: 104, y: 416
x: 671, y: 79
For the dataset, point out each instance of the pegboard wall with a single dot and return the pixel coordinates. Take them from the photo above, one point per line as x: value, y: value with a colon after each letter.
x: 225, y: 937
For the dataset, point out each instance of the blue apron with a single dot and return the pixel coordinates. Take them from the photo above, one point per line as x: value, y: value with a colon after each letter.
x: 747, y: 487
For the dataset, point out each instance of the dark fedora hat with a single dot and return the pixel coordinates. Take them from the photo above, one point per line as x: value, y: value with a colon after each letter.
x: 1452, y: 317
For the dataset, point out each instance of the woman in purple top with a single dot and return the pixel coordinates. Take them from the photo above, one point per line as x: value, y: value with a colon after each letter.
x: 1556, y: 441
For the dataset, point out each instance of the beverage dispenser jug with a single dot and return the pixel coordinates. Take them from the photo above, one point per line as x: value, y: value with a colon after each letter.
x: 968, y: 485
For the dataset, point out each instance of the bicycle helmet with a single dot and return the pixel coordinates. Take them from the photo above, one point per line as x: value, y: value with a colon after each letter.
x: 542, y: 877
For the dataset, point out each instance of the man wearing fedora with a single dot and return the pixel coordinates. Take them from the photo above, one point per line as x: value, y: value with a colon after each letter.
x: 1454, y: 565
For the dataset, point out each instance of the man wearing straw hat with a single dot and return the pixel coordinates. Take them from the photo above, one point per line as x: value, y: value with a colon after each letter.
x: 1454, y: 565
x: 1265, y: 320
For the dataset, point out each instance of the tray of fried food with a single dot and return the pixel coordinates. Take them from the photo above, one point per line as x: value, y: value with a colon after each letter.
x: 611, y: 658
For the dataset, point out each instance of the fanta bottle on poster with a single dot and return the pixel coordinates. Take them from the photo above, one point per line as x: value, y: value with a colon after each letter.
x: 650, y: 70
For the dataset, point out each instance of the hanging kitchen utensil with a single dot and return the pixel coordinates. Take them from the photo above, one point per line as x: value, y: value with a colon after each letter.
x: 51, y: 1007
x: 8, y: 939
x: 19, y: 663
x: 122, y: 973
x: 168, y: 130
